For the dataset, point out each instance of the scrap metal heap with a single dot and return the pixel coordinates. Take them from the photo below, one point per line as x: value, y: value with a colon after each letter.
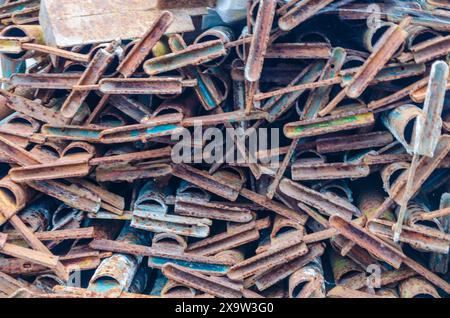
x: 92, y: 203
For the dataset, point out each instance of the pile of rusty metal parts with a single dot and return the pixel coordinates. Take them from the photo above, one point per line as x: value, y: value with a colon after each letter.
x: 354, y: 201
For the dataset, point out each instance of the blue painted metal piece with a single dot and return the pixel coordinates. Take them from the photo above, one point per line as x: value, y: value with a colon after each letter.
x: 116, y: 273
x: 196, y: 266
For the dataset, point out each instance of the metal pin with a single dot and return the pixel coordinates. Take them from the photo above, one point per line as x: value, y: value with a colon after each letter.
x: 143, y: 47
x: 232, y: 238
x: 427, y: 133
x: 193, y: 55
x: 324, y: 203
x: 329, y: 124
x: 56, y: 52
x: 155, y: 85
x: 155, y: 127
x: 260, y: 40
x: 91, y: 75
x: 368, y: 241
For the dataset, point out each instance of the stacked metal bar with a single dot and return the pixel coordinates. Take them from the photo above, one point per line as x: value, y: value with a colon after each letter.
x: 112, y: 186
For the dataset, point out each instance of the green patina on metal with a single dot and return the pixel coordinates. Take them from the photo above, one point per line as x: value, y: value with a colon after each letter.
x: 336, y: 122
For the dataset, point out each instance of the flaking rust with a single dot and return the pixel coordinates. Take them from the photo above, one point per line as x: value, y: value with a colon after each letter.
x: 298, y: 51
x: 344, y: 268
x: 270, y: 277
x: 193, y: 55
x: 141, y: 49
x: 308, y: 282
x: 329, y: 124
x: 218, y: 287
x: 324, y: 203
x: 427, y: 132
x: 130, y: 107
x: 159, y: 255
x: 431, y: 49
x: 413, y: 287
x: 19, y: 129
x: 260, y: 40
x: 143, y: 86
x: 229, y: 191
x: 353, y: 142
x: 232, y: 238
x: 70, y: 194
x: 300, y: 13
x: 164, y: 125
x: 57, y: 170
x: 206, y: 90
x: 157, y: 218
x: 215, y: 210
x: 318, y: 98
x: 46, y: 80
x: 368, y: 241
x: 328, y: 171
x: 202, y: 264
x: 288, y: 248
x: 385, y: 48
x: 419, y: 237
x: 93, y: 72
x: 434, y: 102
x: 277, y: 105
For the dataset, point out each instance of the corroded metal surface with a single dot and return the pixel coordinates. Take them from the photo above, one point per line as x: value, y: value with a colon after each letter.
x: 113, y: 183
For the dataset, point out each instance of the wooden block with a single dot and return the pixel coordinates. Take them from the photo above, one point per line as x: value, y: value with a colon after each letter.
x: 66, y: 23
